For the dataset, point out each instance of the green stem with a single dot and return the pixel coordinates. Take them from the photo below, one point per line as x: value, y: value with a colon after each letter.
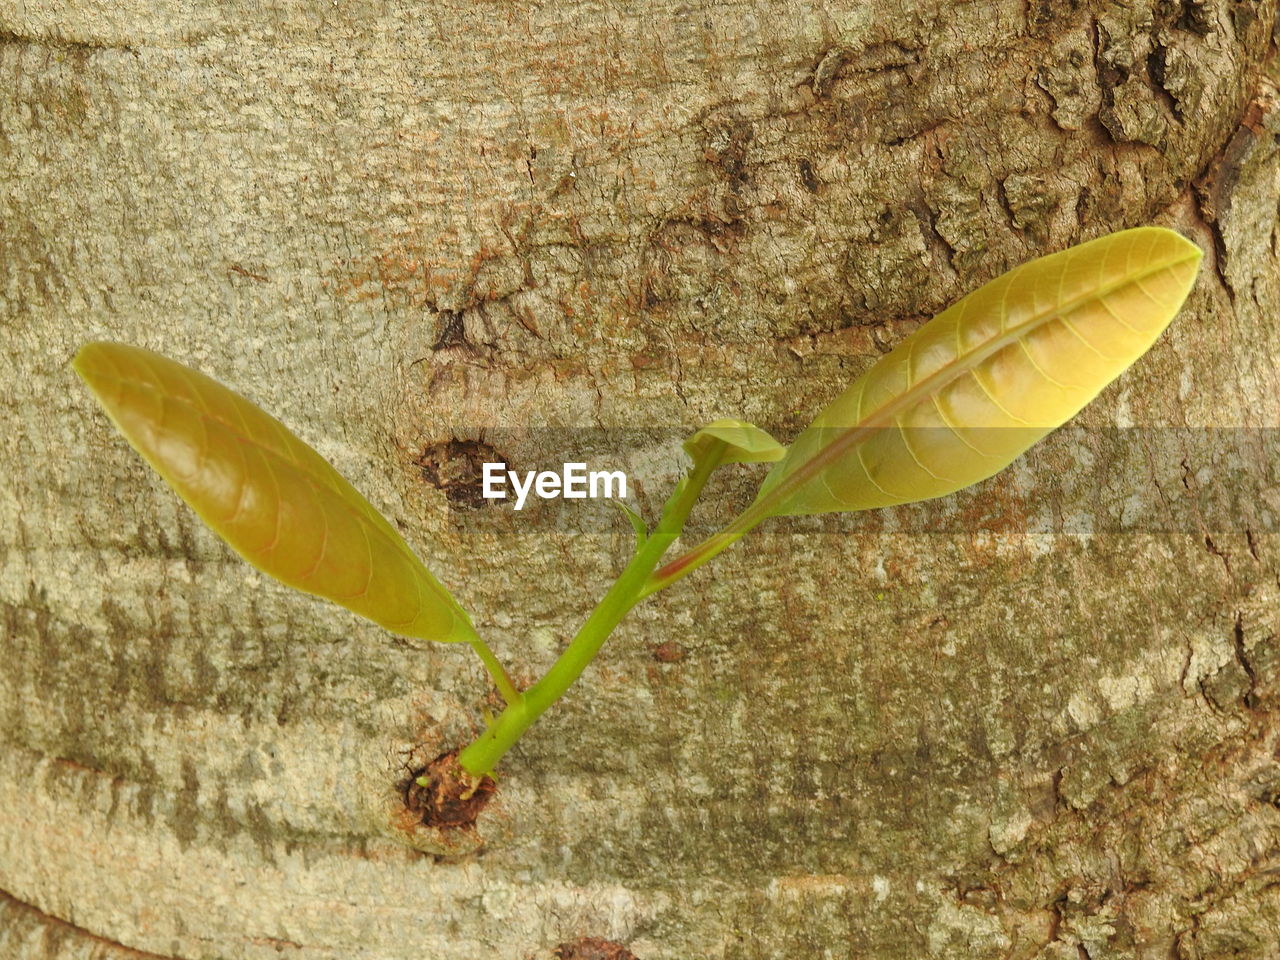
x: 762, y: 509
x: 491, y: 663
x: 682, y: 566
x: 483, y: 754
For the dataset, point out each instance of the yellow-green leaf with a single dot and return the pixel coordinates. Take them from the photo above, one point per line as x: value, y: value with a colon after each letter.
x: 277, y: 502
x: 637, y: 522
x: 745, y: 443
x: 967, y: 393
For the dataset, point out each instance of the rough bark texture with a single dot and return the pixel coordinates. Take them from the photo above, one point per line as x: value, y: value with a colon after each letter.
x: 1035, y: 720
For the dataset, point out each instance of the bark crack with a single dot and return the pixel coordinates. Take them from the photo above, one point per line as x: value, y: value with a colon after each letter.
x: 8, y: 902
x: 60, y: 43
x: 1219, y: 553
x: 1250, y: 698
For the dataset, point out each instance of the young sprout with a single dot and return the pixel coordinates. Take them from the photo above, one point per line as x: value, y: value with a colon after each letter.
x: 952, y: 404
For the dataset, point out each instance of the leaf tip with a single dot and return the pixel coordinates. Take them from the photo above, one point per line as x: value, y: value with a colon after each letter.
x: 1177, y: 247
x: 1191, y: 248
x: 745, y: 442
x: 88, y: 360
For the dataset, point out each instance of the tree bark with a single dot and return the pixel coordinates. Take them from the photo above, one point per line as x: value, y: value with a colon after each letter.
x: 1037, y: 719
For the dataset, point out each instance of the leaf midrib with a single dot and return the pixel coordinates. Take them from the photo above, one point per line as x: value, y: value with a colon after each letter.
x: 854, y: 434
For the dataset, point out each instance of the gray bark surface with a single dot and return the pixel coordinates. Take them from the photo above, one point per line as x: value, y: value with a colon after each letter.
x: 1037, y: 719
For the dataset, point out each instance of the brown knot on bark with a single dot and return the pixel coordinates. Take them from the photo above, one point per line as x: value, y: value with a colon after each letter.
x: 592, y: 948
x: 442, y: 794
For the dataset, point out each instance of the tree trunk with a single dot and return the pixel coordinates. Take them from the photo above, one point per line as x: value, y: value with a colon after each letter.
x: 1037, y: 719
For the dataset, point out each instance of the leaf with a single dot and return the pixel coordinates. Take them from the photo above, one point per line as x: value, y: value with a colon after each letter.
x: 745, y: 443
x: 970, y: 391
x: 637, y: 522
x: 277, y: 502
